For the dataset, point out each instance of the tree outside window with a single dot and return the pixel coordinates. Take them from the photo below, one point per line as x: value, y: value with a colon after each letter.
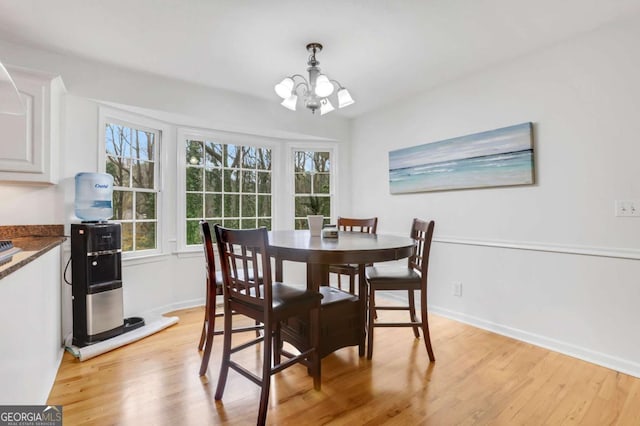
x: 312, y: 186
x: 131, y: 160
x: 228, y: 184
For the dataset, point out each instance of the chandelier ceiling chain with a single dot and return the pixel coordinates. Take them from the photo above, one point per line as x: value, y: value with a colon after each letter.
x: 315, y: 90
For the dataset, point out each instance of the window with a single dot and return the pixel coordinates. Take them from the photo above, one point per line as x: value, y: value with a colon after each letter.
x: 312, y: 185
x: 131, y: 158
x: 226, y: 183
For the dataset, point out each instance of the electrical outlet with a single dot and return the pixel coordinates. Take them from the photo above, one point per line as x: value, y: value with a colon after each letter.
x: 627, y: 208
x: 457, y: 289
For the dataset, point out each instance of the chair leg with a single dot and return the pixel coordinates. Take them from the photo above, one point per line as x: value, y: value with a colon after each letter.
x: 425, y: 326
x: 412, y: 313
x: 370, y: 319
x: 203, y: 334
x: 266, y: 374
x: 205, y: 323
x: 277, y: 345
x: 226, y: 357
x: 375, y: 313
x: 210, y: 328
x: 427, y: 337
x: 352, y: 283
x: 339, y: 281
x: 316, y: 362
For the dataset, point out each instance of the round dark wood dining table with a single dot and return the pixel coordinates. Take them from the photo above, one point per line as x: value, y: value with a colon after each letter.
x: 350, y: 247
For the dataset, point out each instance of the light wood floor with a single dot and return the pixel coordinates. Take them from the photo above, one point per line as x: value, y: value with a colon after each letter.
x: 478, y: 378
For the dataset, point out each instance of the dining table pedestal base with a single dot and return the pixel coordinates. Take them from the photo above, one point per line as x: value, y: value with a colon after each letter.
x: 340, y: 323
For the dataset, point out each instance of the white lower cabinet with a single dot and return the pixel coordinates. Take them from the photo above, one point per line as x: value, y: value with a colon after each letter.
x: 30, y: 330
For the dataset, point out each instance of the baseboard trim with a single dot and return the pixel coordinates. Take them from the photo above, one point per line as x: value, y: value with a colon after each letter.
x: 618, y: 364
x: 619, y: 253
x: 162, y: 310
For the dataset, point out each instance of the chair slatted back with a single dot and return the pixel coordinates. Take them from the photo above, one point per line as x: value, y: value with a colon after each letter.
x: 207, y: 245
x: 422, y: 234
x: 367, y: 226
x: 243, y: 250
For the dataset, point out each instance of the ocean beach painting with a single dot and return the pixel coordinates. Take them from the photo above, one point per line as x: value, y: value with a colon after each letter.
x: 501, y: 157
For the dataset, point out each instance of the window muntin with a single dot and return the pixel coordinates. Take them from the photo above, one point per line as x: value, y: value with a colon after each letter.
x: 131, y: 158
x: 228, y: 184
x: 312, y: 174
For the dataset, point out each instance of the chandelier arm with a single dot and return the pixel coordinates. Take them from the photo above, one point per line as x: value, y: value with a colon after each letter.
x: 340, y: 86
x: 304, y: 84
x: 292, y: 77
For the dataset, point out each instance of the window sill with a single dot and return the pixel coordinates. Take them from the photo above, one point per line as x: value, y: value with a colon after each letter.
x: 161, y: 257
x: 139, y: 260
x: 188, y: 253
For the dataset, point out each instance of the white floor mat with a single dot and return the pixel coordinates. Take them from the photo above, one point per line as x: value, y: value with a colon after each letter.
x: 95, y: 349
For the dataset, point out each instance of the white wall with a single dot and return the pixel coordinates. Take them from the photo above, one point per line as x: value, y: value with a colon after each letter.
x: 514, y: 248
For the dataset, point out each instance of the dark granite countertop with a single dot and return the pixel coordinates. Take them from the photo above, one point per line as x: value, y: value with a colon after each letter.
x: 34, y: 240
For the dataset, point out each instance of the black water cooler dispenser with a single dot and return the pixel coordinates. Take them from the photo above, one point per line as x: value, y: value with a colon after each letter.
x: 98, y: 312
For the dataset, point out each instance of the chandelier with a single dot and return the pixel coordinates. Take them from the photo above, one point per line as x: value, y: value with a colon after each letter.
x: 315, y: 91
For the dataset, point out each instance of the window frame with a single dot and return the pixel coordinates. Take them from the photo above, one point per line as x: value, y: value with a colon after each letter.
x: 332, y: 148
x: 226, y: 138
x: 109, y: 115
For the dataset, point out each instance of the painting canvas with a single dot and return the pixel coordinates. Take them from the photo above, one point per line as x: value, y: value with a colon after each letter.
x: 501, y: 157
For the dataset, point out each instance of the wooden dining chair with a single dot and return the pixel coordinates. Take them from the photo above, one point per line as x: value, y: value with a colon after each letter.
x: 269, y: 303
x: 411, y: 278
x: 352, y: 225
x: 214, y: 288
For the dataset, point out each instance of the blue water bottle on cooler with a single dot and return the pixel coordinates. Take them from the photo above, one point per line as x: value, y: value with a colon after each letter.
x: 94, y: 193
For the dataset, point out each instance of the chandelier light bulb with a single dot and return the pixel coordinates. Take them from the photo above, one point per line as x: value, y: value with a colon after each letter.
x: 323, y: 86
x: 325, y: 107
x: 284, y: 88
x: 344, y: 98
x: 290, y: 102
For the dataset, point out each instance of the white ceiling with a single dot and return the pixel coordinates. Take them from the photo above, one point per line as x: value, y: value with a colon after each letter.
x: 380, y: 50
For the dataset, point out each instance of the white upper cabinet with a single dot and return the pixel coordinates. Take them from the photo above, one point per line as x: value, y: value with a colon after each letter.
x: 29, y: 144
